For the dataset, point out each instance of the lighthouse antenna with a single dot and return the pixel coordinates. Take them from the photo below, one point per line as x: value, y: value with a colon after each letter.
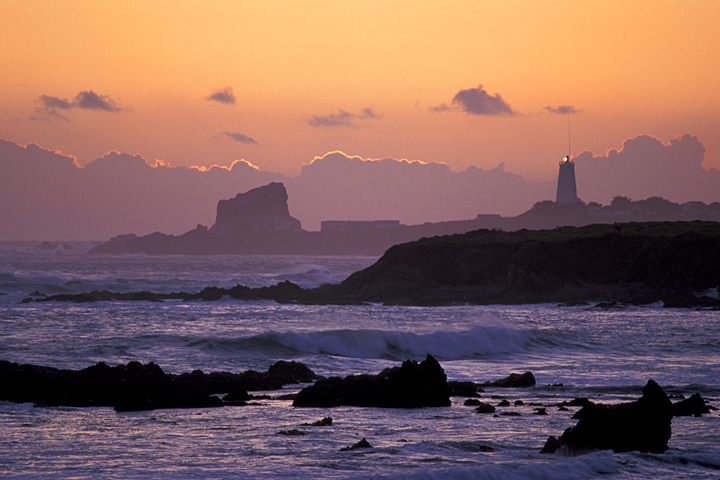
x: 568, y: 119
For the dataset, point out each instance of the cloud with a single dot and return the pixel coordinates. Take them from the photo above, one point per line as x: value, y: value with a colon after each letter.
x: 46, y: 195
x: 646, y: 167
x: 239, y: 137
x: 89, y: 100
x: 476, y: 101
x: 85, y: 100
x: 54, y: 102
x: 342, y: 118
x: 562, y: 109
x: 224, y: 95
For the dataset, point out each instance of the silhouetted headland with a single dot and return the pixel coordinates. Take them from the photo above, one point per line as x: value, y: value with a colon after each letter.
x: 677, y: 263
x: 259, y: 222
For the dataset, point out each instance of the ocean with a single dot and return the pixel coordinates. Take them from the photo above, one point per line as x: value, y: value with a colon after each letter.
x: 606, y: 355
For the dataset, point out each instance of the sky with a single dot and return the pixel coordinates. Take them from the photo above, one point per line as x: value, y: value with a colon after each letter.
x: 278, y: 83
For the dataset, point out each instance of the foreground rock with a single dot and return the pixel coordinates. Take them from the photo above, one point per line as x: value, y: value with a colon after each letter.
x: 643, y: 426
x: 412, y: 385
x: 139, y: 387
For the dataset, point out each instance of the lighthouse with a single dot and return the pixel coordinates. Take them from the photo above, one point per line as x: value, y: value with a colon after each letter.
x: 566, y: 189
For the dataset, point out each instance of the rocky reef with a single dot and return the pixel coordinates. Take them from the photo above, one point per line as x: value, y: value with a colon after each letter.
x: 138, y: 386
x: 412, y: 385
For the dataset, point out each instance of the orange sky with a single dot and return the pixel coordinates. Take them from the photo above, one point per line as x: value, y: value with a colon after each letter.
x: 642, y: 67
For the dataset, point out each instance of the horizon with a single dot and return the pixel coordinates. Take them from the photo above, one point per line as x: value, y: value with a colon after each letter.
x: 73, y: 202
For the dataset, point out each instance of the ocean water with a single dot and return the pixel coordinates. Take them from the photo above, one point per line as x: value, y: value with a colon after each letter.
x: 605, y: 355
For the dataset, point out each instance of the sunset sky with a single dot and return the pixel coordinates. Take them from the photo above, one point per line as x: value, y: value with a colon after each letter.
x: 466, y: 83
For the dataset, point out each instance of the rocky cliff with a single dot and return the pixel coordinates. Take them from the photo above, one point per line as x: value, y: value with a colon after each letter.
x: 262, y: 209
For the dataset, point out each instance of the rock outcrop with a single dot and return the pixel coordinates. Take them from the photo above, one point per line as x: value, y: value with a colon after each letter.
x: 139, y: 387
x: 642, y: 263
x: 412, y: 385
x: 262, y: 209
x: 514, y: 380
x: 643, y: 426
x: 693, y: 406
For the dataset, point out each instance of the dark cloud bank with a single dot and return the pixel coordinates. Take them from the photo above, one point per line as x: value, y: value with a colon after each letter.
x: 45, y: 195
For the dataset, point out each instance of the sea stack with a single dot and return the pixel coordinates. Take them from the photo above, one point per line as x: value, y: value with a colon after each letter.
x: 262, y: 209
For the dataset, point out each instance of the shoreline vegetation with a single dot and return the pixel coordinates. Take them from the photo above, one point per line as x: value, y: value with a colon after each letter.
x: 673, y: 263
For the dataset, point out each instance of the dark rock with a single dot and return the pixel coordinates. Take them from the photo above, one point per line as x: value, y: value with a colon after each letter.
x: 464, y: 389
x: 643, y: 425
x: 411, y: 385
x: 511, y: 414
x: 287, y: 396
x: 361, y: 444
x: 472, y: 402
x: 514, y: 380
x: 279, y: 374
x: 552, y: 445
x: 518, y: 403
x: 540, y: 411
x: 292, y: 433
x: 503, y: 403
x: 136, y: 386
x: 262, y: 209
x: 577, y: 402
x: 325, y: 422
x: 693, y: 406
x: 236, y: 398
x: 485, y: 408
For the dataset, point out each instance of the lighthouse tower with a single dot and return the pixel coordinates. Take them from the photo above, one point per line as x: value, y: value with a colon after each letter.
x: 566, y: 189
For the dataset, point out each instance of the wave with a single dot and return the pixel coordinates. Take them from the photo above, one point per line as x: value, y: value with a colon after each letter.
x: 391, y: 345
x: 585, y: 467
x: 312, y: 276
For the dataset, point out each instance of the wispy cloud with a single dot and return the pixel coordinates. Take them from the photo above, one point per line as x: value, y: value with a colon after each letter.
x: 562, y: 109
x: 240, y: 137
x: 50, y: 106
x: 224, y: 95
x: 476, y: 101
x: 342, y: 118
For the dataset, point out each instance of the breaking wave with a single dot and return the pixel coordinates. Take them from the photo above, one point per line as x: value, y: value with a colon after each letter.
x: 393, y: 345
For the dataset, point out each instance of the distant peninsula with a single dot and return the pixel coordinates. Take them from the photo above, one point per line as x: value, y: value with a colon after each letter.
x: 259, y: 222
x: 676, y: 263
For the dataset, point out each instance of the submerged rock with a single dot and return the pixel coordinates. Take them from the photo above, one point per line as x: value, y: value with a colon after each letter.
x: 693, y: 406
x: 643, y: 425
x: 411, y: 385
x: 514, y: 380
x: 325, y: 422
x: 464, y: 388
x: 361, y: 444
x: 485, y: 408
